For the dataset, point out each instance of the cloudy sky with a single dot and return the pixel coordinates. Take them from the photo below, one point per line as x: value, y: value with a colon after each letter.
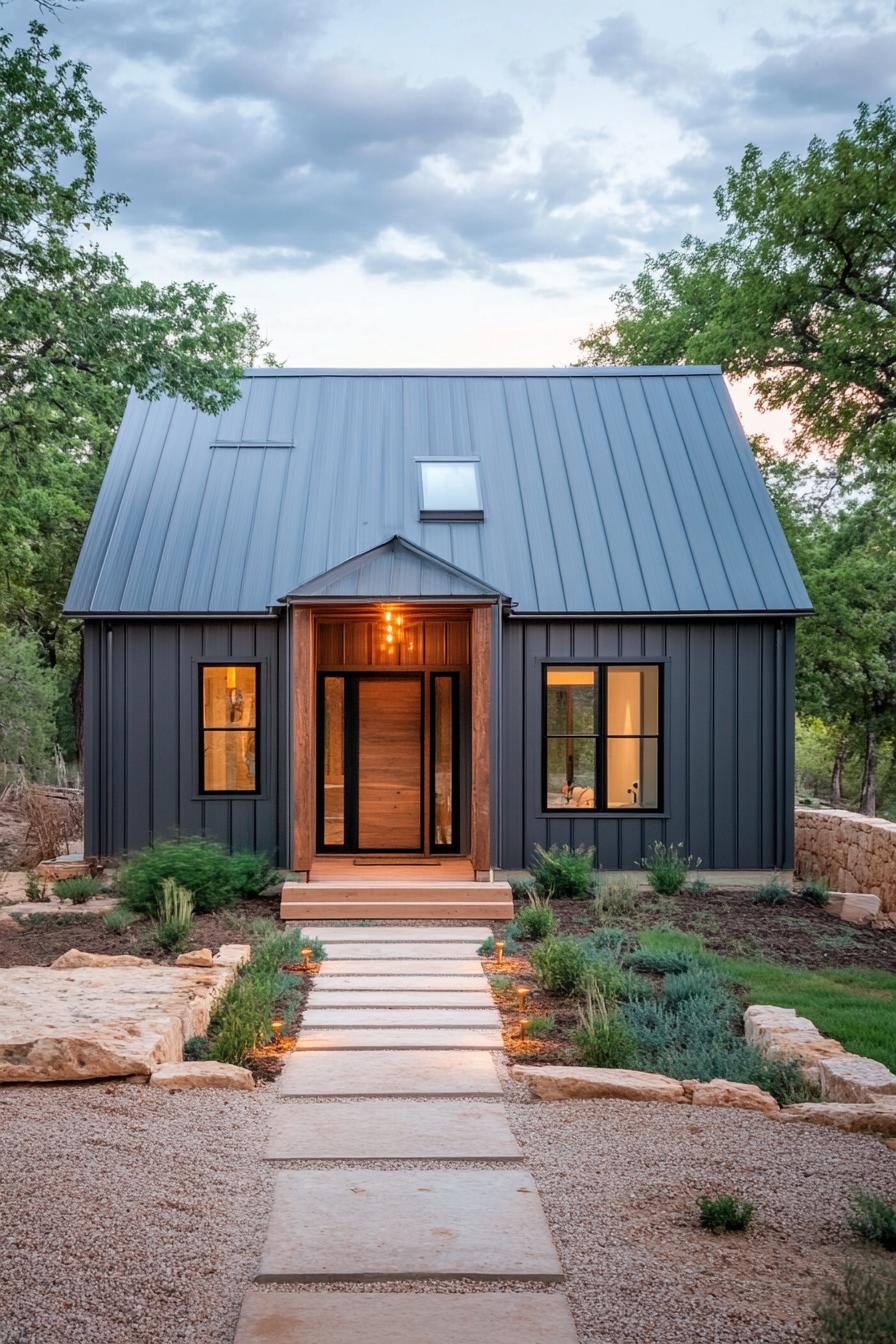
x: 413, y: 182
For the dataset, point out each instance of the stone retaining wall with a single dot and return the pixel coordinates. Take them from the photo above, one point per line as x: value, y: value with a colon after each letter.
x: 851, y: 852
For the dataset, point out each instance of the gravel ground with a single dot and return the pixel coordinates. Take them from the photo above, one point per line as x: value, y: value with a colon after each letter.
x: 129, y: 1215
x: 619, y: 1181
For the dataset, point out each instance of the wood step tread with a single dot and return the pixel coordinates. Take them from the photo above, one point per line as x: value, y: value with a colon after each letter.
x: 308, y: 910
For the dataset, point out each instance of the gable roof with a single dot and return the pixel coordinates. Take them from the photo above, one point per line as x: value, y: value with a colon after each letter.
x: 395, y: 569
x: 604, y: 490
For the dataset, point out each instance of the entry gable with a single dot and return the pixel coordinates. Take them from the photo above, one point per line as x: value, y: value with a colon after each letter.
x: 395, y: 569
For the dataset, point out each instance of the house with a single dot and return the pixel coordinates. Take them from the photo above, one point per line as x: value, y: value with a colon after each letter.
x: 442, y: 615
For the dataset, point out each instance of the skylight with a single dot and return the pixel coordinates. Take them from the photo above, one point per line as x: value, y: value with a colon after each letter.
x: 449, y: 488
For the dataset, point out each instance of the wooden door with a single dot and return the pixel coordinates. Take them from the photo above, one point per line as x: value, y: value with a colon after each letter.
x: 390, y: 770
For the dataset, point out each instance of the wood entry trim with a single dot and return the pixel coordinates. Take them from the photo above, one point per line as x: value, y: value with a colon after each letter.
x: 481, y: 740
x: 303, y: 785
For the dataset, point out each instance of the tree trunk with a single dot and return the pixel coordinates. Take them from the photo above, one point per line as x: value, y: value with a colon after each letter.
x: 868, y: 802
x: 837, y: 776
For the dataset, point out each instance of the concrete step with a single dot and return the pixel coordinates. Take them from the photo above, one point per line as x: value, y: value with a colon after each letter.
x: 347, y: 933
x: 365, y: 908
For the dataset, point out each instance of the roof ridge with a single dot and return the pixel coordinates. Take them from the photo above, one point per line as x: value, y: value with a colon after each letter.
x: 575, y: 371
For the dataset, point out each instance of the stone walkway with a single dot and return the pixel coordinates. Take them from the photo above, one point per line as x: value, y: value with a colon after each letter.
x: 394, y: 1068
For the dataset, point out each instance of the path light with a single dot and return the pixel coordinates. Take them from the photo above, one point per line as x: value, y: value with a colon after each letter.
x: 307, y: 954
x: 277, y: 1027
x: 521, y: 992
x: 499, y: 952
x: 524, y: 1027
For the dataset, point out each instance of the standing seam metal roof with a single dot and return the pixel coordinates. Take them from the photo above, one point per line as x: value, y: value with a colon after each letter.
x: 629, y: 490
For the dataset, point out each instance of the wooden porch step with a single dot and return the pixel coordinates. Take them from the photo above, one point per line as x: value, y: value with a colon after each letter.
x: 366, y: 908
x: 345, y: 889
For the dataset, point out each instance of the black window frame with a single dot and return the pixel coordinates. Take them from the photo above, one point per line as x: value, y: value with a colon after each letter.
x: 601, y: 737
x: 203, y: 790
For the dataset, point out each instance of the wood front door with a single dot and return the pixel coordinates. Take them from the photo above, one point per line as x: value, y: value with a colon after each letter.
x: 387, y: 762
x: 390, y: 763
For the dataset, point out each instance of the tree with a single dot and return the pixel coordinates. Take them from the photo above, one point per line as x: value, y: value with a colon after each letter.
x: 76, y: 333
x: 799, y: 294
x: 27, y: 704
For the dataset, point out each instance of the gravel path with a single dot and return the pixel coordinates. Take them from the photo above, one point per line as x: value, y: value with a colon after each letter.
x: 619, y: 1181
x: 129, y: 1215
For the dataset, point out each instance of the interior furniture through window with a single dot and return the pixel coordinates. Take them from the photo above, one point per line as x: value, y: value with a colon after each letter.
x: 602, y: 737
x: 229, y: 728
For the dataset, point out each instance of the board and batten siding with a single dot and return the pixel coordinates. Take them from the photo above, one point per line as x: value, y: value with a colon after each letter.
x: 141, y: 734
x: 728, y: 707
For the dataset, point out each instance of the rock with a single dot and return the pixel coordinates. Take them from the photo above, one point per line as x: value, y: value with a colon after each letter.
x: 202, y: 1073
x: 744, y: 1096
x: 853, y: 1078
x: 202, y: 956
x: 232, y: 954
x: 780, y: 1034
x: 73, y: 958
x: 875, y: 1117
x: 58, y: 1024
x: 854, y: 907
x: 56, y: 870
x: 556, y: 1082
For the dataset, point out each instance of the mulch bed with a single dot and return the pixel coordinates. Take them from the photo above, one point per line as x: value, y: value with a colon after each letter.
x: 41, y: 938
x: 730, y: 923
x: 552, y: 1048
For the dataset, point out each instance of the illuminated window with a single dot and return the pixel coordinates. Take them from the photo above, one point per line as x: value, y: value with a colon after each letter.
x: 602, y: 737
x: 449, y: 488
x: 229, y: 728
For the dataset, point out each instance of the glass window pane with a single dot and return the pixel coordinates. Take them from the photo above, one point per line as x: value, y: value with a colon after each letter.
x: 229, y: 764
x: 632, y: 772
x: 572, y: 700
x: 443, y: 760
x: 450, y: 486
x: 334, y: 761
x: 571, y: 776
x: 650, y: 780
x: 228, y: 697
x: 632, y: 699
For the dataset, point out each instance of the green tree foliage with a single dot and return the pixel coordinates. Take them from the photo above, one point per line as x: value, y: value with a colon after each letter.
x: 76, y: 333
x: 799, y: 294
x: 27, y: 703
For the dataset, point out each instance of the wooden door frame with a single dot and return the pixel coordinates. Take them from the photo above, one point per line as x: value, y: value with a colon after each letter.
x: 304, y: 710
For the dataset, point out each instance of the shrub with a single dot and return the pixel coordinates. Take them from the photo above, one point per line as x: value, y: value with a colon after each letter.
x: 603, y: 1037
x: 487, y: 947
x: 610, y: 940
x: 33, y: 890
x: 615, y: 898
x: 242, y: 1018
x: 724, y: 1214
x: 119, y: 919
x: 698, y: 886
x: 500, y: 982
x: 563, y: 872
x: 658, y: 963
x: 282, y: 947
x: 667, y: 868
x: 78, y: 890
x: 874, y: 1220
x: 196, y: 1047
x: 860, y: 1310
x: 697, y: 982
x: 537, y: 918
x: 559, y: 965
x: 604, y: 977
x: 816, y: 891
x: 541, y: 1026
x: 174, y: 915
x: 521, y: 887
x: 204, y: 867
x: 771, y: 893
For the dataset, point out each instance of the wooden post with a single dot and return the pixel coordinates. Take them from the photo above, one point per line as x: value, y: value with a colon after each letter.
x: 481, y: 697
x: 302, y: 740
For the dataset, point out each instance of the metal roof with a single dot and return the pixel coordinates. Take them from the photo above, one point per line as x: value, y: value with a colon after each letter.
x: 605, y: 490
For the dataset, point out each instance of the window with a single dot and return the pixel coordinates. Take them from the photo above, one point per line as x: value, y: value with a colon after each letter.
x: 449, y: 488
x: 602, y: 737
x: 229, y: 728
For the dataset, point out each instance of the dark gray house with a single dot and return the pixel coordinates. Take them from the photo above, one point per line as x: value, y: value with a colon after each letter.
x: 441, y: 613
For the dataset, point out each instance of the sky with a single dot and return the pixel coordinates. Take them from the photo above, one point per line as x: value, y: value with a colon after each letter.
x: 410, y: 182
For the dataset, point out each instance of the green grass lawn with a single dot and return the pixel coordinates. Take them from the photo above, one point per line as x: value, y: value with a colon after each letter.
x: 857, y: 1007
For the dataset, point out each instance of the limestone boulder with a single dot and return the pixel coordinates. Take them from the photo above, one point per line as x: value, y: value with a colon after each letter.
x: 854, y: 907
x: 743, y: 1096
x: 875, y: 1117
x: 853, y: 1078
x: 232, y: 954
x: 780, y: 1034
x: 74, y: 958
x: 69, y: 1023
x: 202, y: 956
x: 556, y: 1082
x: 202, y: 1073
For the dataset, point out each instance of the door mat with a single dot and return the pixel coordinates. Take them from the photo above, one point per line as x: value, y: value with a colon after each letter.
x: 392, y: 863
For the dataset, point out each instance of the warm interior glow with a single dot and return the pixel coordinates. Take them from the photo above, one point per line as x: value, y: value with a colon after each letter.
x: 229, y: 746
x: 570, y: 676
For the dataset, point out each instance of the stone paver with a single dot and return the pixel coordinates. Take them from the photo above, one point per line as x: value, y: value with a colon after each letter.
x: 379, y: 1130
x: 405, y: 1318
x: 425, y: 965
x: 371, y: 1225
x: 402, y: 998
x: 399, y: 1017
x: 437, y: 984
x: 343, y: 933
x: 400, y: 1038
x: 405, y: 951
x: 384, y: 1073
